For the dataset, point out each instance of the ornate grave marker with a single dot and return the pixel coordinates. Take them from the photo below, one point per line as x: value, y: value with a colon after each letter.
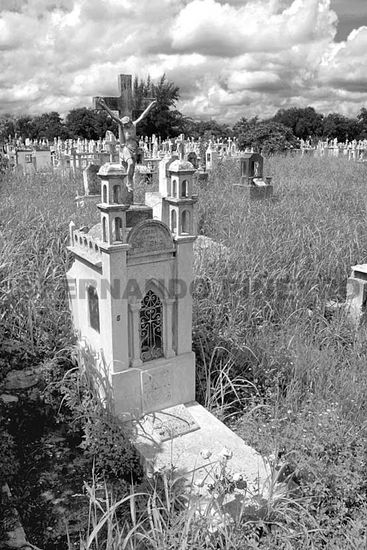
x: 142, y: 329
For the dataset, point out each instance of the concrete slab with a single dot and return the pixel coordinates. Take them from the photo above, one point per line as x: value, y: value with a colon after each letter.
x: 197, y: 454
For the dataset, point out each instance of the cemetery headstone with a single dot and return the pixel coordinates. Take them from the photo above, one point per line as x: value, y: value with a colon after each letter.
x: 252, y: 180
x: 92, y: 185
x: 356, y: 300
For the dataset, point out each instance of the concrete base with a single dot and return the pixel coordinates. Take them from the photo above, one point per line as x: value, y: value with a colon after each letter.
x: 254, y: 192
x: 146, y: 389
x: 198, y: 454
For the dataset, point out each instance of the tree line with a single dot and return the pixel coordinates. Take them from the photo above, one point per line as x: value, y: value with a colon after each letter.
x: 280, y: 132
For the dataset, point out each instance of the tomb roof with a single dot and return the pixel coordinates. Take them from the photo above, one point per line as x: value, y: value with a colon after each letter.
x: 110, y: 169
x: 181, y: 165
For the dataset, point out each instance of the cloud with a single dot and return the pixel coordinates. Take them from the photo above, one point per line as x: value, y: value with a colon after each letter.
x: 344, y: 65
x: 212, y: 28
x: 230, y: 58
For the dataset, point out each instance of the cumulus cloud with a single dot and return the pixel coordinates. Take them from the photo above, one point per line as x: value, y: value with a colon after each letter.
x: 220, y: 29
x: 345, y: 65
x: 230, y: 58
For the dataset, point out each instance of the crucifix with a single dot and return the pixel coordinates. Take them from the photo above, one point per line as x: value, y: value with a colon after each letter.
x: 123, y: 104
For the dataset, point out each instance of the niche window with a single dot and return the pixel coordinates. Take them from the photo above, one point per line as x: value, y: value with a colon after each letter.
x: 116, y: 194
x: 185, y: 222
x: 185, y: 188
x: 173, y: 221
x: 174, y: 188
x: 117, y: 229
x: 93, y: 307
x: 104, y: 229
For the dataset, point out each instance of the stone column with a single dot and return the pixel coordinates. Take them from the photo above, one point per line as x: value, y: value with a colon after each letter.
x: 168, y: 351
x: 135, y: 335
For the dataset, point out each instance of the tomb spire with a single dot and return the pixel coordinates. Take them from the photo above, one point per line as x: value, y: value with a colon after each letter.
x: 116, y: 201
x: 180, y: 199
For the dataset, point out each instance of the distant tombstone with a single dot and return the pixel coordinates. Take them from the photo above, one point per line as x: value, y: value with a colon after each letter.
x: 357, y: 294
x: 251, y: 177
x: 181, y: 149
x: 92, y: 184
x: 154, y: 146
x: 140, y: 155
x: 211, y: 156
x: 163, y: 173
x: 92, y: 146
x: 193, y: 158
x: 252, y: 167
x: 110, y: 144
x: 42, y: 159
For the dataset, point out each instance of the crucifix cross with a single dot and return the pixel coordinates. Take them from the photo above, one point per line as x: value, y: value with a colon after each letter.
x: 123, y: 103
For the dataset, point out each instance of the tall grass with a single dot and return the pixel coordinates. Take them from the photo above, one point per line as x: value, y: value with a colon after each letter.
x: 272, y: 360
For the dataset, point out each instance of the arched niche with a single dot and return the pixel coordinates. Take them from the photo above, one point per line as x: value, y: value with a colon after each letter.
x: 185, y: 221
x: 93, y: 308
x: 173, y: 221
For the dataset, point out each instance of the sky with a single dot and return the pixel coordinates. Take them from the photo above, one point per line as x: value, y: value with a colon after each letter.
x: 230, y: 58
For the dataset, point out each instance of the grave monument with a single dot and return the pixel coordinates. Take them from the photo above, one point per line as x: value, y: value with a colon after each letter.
x: 252, y: 181
x: 130, y: 296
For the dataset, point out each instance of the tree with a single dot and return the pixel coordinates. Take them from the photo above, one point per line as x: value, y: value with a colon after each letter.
x: 48, y: 126
x: 7, y: 126
x: 205, y: 129
x: 340, y: 127
x: 268, y: 137
x: 24, y: 127
x: 164, y: 120
x: 362, y: 123
x: 89, y: 123
x: 244, y: 125
x: 304, y: 122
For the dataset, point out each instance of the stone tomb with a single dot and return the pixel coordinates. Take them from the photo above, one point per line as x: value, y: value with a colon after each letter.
x: 91, y: 181
x: 211, y: 157
x: 252, y: 181
x: 356, y: 300
x: 130, y: 295
x: 32, y: 160
x: 193, y: 158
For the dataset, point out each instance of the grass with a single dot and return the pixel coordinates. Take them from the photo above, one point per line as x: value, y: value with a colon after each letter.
x: 287, y: 375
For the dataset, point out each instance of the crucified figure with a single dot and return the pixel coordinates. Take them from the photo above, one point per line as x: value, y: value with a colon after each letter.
x: 128, y: 140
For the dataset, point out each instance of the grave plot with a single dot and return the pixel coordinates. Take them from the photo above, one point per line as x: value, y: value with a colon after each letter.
x: 143, y: 328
